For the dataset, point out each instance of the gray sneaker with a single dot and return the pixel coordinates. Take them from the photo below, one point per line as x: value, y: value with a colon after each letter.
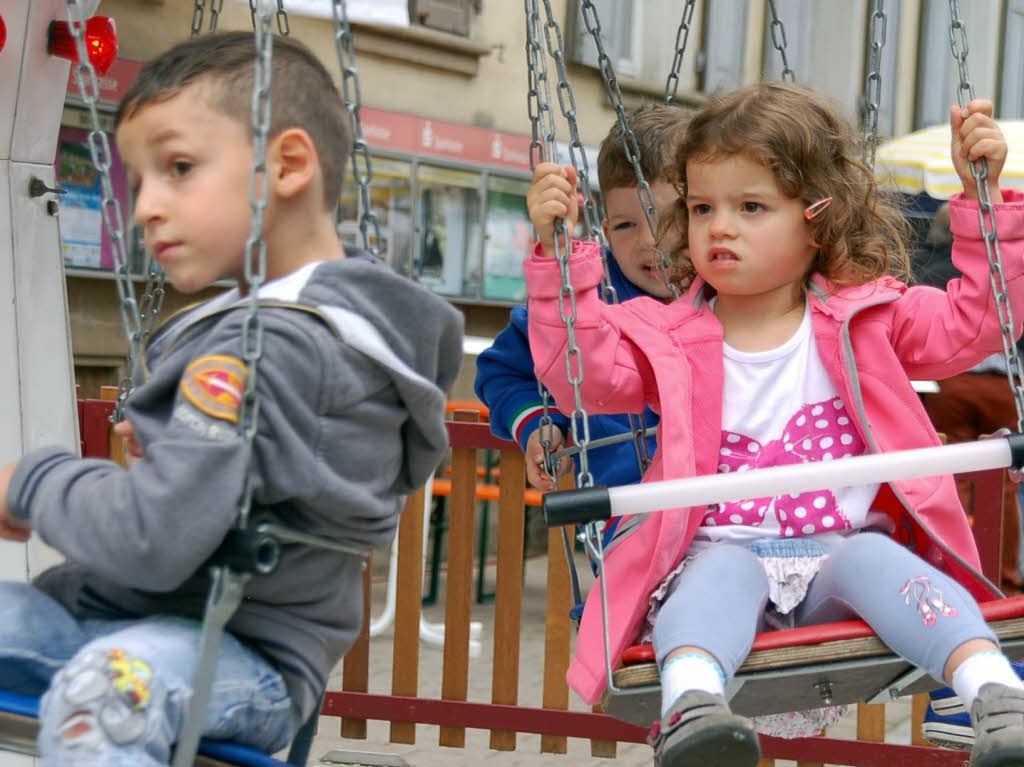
x: 700, y: 731
x: 997, y: 716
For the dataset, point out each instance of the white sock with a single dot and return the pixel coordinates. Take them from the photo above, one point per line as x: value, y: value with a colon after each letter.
x: 690, y: 671
x: 980, y: 669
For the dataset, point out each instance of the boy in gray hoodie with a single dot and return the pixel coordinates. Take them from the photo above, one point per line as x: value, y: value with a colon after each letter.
x: 351, y: 386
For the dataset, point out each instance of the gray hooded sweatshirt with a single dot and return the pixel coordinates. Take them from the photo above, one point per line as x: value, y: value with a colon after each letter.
x: 355, y: 367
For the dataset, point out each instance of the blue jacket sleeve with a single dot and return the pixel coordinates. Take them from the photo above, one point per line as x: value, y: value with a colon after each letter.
x: 507, y: 384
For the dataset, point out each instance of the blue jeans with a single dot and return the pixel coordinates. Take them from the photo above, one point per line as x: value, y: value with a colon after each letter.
x: 117, y: 691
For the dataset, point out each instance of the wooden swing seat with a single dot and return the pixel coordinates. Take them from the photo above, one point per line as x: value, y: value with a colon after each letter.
x: 19, y: 726
x: 796, y: 669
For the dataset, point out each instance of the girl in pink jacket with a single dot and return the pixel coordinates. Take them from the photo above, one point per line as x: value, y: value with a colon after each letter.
x: 796, y: 342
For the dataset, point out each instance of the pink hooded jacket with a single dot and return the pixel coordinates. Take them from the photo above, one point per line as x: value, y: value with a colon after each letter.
x: 872, y: 340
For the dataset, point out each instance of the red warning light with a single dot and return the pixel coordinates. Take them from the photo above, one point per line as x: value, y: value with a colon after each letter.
x: 100, y: 42
x: 3, y: 33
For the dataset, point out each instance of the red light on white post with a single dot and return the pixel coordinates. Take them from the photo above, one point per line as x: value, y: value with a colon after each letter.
x: 100, y: 42
x: 3, y: 33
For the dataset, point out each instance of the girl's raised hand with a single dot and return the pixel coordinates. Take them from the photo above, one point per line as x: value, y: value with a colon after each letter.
x: 976, y: 135
x: 552, y: 195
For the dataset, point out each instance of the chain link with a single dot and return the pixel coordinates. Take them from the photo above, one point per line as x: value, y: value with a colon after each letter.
x: 779, y: 42
x: 215, y: 9
x: 873, y: 85
x: 198, y: 11
x: 682, y: 35
x: 362, y: 168
x: 987, y: 220
x: 283, y: 27
x: 113, y: 217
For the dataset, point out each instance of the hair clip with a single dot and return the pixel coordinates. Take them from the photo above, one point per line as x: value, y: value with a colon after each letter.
x: 815, y: 208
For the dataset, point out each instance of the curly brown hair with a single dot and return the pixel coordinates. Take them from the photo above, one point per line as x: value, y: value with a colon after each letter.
x: 812, y: 151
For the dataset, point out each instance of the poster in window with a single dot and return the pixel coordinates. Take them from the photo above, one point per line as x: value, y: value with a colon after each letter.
x: 509, y: 240
x: 84, y: 239
x: 81, y: 215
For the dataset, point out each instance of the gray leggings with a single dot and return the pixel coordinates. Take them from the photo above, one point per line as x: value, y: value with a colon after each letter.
x: 719, y: 599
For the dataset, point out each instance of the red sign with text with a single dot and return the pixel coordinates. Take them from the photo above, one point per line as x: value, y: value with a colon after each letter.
x: 113, y: 85
x: 439, y: 138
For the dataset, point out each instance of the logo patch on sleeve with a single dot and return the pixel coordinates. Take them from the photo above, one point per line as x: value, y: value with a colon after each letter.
x: 215, y: 385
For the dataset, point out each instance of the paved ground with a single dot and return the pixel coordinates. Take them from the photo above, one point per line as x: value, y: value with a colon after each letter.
x: 331, y: 750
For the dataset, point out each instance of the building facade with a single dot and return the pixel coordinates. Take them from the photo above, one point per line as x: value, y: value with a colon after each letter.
x: 444, y: 110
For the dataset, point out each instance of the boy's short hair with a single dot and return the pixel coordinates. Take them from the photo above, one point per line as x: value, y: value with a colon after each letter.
x: 303, y: 95
x: 658, y: 128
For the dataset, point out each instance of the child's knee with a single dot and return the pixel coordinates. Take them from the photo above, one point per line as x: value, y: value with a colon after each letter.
x: 100, y: 696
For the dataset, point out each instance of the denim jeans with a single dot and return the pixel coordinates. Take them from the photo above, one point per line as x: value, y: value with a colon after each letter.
x: 117, y: 691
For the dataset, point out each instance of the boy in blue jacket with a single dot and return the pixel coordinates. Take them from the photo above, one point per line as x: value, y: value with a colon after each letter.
x: 505, y: 380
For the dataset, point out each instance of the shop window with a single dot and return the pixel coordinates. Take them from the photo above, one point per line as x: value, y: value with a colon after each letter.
x: 391, y: 202
x: 446, y: 238
x: 508, y: 239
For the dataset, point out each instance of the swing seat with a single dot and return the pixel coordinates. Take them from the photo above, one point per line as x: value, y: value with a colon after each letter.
x: 19, y: 725
x: 803, y: 668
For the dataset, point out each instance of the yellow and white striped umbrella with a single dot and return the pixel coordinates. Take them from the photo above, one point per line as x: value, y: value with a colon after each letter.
x: 920, y: 162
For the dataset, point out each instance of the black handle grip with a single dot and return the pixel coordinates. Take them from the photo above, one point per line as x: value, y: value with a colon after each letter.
x: 248, y: 551
x: 1016, y: 450
x: 587, y: 504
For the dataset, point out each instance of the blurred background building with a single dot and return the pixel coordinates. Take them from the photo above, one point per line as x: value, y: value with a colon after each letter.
x: 443, y: 87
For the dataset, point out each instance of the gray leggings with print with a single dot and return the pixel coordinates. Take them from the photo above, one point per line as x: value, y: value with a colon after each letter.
x: 718, y: 601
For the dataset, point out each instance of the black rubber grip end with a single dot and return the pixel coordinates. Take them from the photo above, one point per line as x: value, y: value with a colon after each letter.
x: 567, y: 507
x: 1016, y: 450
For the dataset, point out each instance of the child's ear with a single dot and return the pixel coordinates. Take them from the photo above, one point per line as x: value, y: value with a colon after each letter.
x: 292, y: 161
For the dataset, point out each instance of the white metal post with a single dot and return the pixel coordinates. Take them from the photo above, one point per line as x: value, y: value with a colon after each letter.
x: 37, y: 403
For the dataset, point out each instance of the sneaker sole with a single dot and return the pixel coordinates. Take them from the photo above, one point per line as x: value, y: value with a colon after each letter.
x: 948, y: 736
x: 729, y: 742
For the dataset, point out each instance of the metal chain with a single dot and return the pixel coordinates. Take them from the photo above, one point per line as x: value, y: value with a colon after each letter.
x: 255, y: 248
x: 283, y: 27
x: 113, y: 218
x: 567, y: 104
x: 779, y: 41
x: 682, y: 35
x: 631, y: 148
x: 542, y: 147
x: 629, y: 143
x: 987, y: 220
x: 362, y: 169
x: 199, y: 11
x: 152, y: 301
x: 227, y: 584
x: 873, y: 85
x: 578, y: 422
x: 215, y: 9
